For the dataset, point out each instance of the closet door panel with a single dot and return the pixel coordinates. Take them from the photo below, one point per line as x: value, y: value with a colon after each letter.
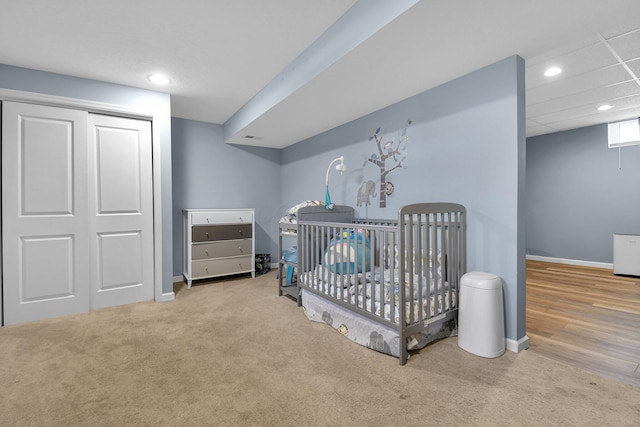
x: 120, y: 256
x: 46, y: 155
x: 117, y: 173
x: 46, y: 268
x: 44, y: 221
x: 121, y: 208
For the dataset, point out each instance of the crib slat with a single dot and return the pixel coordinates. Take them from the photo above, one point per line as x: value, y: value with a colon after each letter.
x: 389, y: 250
x: 453, y: 256
x: 439, y: 303
x: 302, y: 249
x: 373, y: 243
x: 332, y: 271
x: 346, y: 276
x: 408, y: 251
x: 432, y: 266
x: 392, y: 269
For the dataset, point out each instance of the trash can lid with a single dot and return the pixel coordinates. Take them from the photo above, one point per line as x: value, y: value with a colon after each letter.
x: 481, y: 280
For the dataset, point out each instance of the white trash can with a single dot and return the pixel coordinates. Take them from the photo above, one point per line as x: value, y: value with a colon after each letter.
x: 481, y: 315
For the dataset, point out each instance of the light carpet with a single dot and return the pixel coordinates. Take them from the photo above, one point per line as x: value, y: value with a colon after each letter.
x: 231, y: 352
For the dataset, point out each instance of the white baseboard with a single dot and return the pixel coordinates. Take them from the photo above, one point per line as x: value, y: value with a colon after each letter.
x: 518, y: 346
x: 570, y: 261
x: 167, y: 296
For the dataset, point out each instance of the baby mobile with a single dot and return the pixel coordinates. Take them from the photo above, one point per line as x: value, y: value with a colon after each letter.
x: 390, y: 156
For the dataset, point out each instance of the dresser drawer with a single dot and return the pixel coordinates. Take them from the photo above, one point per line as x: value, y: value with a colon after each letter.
x: 222, y: 249
x: 220, y: 267
x: 210, y: 233
x: 237, y: 217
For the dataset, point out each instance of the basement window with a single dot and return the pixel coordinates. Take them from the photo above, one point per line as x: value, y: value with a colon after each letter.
x: 624, y: 133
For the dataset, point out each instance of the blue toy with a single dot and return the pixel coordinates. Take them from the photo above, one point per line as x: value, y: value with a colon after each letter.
x: 345, y: 252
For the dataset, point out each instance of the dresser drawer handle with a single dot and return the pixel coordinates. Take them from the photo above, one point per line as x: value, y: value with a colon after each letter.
x: 206, y: 252
x: 240, y: 248
x: 206, y: 233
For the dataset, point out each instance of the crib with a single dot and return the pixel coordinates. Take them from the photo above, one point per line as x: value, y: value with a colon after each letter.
x: 390, y: 285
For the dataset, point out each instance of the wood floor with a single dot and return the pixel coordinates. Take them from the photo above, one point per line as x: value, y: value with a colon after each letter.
x: 585, y: 317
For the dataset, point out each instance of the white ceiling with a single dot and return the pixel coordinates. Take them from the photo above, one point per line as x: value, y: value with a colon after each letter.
x: 223, y: 55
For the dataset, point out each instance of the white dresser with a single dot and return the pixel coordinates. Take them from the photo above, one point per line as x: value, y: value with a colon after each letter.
x: 626, y: 254
x: 218, y: 242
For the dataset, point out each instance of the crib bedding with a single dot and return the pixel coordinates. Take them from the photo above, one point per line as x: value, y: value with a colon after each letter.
x: 365, y: 290
x: 364, y: 331
x: 357, y: 328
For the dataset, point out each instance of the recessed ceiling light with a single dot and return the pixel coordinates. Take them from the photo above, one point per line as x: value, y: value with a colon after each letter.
x: 605, y: 107
x: 553, y: 71
x: 159, y: 79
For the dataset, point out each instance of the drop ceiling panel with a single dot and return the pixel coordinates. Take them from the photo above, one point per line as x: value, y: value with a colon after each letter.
x: 618, y: 30
x: 558, y: 51
x: 634, y: 66
x: 583, y: 82
x: 627, y: 46
x: 573, y: 64
x: 621, y: 104
x: 587, y: 98
x: 539, y: 130
x: 583, y: 121
x: 625, y: 103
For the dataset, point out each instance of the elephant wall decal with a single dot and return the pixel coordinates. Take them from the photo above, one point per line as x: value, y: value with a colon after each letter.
x: 367, y: 189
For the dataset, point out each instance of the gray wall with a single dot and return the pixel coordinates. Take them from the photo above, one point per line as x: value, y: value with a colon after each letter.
x: 208, y: 173
x: 466, y: 145
x: 577, y: 197
x: 28, y: 80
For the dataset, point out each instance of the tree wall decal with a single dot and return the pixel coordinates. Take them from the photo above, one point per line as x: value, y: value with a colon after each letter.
x: 390, y: 156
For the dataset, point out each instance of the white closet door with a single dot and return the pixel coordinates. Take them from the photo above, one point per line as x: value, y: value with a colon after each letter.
x: 44, y: 212
x: 77, y: 212
x: 120, y: 210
